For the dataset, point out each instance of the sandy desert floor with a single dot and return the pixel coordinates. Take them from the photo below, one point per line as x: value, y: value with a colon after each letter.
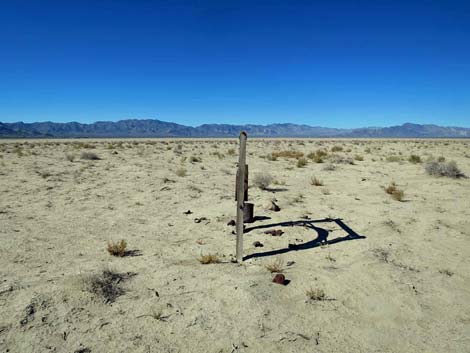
x: 384, y: 275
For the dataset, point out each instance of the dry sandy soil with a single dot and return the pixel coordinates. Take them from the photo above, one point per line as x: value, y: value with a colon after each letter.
x: 384, y: 275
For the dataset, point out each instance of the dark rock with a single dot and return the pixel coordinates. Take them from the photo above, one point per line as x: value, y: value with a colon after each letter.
x: 279, y: 279
x: 258, y: 244
x: 232, y: 223
x: 275, y: 232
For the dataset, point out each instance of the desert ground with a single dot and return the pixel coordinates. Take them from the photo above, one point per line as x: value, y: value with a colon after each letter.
x: 375, y: 250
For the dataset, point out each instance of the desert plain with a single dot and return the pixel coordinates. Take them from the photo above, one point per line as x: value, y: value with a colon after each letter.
x: 367, y: 270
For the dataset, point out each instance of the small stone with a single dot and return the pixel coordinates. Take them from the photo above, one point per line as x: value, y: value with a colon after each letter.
x: 275, y: 232
x: 279, y: 279
x: 290, y: 263
x: 232, y: 223
x: 258, y: 244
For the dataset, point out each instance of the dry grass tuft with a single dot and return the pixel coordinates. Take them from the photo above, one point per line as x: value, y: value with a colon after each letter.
x: 209, y: 259
x: 275, y: 266
x: 315, y: 294
x: 395, y: 192
x: 316, y: 182
x: 118, y: 248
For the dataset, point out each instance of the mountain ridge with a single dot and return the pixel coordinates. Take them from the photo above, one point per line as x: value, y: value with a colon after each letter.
x: 148, y: 128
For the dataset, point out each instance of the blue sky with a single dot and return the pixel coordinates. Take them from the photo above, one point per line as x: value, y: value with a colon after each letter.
x: 328, y: 63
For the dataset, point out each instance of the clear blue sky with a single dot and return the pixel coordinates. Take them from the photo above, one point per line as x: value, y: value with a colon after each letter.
x: 328, y: 63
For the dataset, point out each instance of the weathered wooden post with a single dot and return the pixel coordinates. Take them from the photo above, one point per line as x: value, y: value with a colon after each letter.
x: 241, y: 195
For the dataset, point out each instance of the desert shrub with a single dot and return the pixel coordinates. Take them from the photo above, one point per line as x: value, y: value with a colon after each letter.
x: 231, y: 151
x: 393, y: 159
x: 318, y: 156
x: 301, y: 162
x: 414, y: 159
x: 329, y: 167
x: 336, y: 149
x: 118, y: 248
x: 395, y: 192
x: 218, y: 154
x: 275, y: 266
x: 194, y: 159
x: 316, y: 182
x: 181, y: 172
x: 271, y: 157
x: 105, y: 285
x: 299, y: 198
x: 449, y: 169
x: 315, y: 294
x: 288, y: 154
x: 358, y: 157
x: 339, y: 159
x: 70, y: 157
x: 262, y: 180
x: 367, y: 150
x: 441, y: 159
x: 91, y: 156
x: 209, y: 259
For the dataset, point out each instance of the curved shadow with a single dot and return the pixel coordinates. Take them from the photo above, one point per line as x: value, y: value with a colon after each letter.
x: 321, y: 239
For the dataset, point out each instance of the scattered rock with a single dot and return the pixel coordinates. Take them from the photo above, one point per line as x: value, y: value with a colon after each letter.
x: 232, y: 223
x: 188, y: 212
x: 199, y: 220
x: 290, y: 263
x: 258, y: 244
x: 29, y: 314
x: 274, y: 232
x: 279, y: 279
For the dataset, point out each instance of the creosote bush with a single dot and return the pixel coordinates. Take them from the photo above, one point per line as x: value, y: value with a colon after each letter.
x: 262, y: 180
x: 118, y: 248
x: 449, y: 169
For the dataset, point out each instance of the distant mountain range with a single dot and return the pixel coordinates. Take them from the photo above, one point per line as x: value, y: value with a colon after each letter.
x: 156, y: 128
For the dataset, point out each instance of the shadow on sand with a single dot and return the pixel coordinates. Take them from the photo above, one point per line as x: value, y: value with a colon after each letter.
x: 321, y: 239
